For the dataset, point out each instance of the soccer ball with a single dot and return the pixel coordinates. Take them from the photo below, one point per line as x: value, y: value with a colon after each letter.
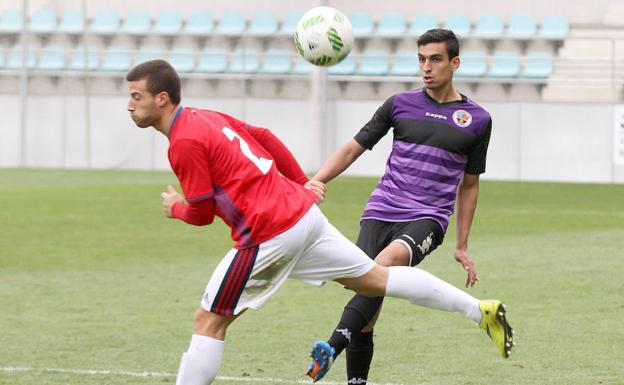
x: 324, y: 36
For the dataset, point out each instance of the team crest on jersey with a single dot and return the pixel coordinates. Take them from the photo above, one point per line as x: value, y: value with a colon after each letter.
x: 462, y: 118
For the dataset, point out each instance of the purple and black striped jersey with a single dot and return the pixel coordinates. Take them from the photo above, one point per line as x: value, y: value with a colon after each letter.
x: 434, y: 144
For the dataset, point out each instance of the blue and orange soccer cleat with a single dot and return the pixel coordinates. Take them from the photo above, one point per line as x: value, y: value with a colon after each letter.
x: 322, y: 359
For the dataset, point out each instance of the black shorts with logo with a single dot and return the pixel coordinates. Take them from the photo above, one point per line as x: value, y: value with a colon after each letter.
x: 422, y: 236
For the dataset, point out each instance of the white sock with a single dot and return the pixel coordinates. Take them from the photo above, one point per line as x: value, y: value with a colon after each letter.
x: 200, y: 364
x: 425, y: 289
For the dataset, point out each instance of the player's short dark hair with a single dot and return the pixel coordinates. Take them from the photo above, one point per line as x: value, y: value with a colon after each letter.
x: 160, y: 75
x: 439, y: 35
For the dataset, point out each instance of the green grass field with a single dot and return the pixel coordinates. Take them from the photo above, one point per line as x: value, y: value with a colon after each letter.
x: 97, y: 287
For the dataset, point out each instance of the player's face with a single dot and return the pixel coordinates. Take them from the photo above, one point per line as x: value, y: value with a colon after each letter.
x: 436, y: 67
x: 142, y: 104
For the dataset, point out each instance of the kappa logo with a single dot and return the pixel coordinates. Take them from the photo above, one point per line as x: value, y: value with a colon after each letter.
x: 437, y: 116
x: 462, y: 118
x: 345, y: 332
x: 426, y: 244
x: 356, y: 381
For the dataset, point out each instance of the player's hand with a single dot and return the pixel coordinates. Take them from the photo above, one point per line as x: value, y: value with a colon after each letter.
x: 462, y: 257
x: 318, y: 188
x: 170, y: 197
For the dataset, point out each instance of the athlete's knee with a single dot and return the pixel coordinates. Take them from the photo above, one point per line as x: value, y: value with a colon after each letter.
x: 395, y: 254
x: 388, y: 259
x: 372, y: 284
x: 210, y: 324
x: 201, y: 319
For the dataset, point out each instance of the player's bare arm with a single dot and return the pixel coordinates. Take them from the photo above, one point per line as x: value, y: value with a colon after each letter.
x: 339, y: 161
x: 467, y: 196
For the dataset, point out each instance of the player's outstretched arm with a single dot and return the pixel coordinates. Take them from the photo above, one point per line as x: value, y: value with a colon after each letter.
x: 339, y: 161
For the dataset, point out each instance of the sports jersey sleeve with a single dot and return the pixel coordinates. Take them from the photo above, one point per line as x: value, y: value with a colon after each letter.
x: 285, y: 162
x: 189, y: 163
x: 377, y: 127
x: 199, y: 213
x: 478, y: 152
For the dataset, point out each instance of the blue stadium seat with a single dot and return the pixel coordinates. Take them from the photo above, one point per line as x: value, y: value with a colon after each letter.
x: 362, y: 23
x: 147, y: 52
x: 231, y: 24
x: 182, y: 59
x: 11, y: 21
x: 116, y: 59
x: 84, y: 59
x: 244, y: 60
x: 43, y: 21
x: 277, y: 61
x: 14, y: 58
x: 374, y: 63
x: 554, y: 27
x: 405, y: 64
x: 263, y: 24
x: 302, y: 67
x: 459, y: 24
x: 505, y: 64
x: 289, y: 24
x: 72, y: 22
x: 52, y: 58
x: 345, y: 67
x: 473, y: 64
x: 490, y: 27
x: 105, y: 22
x: 136, y: 23
x: 168, y: 23
x: 200, y: 23
x: 212, y: 60
x: 421, y: 23
x: 391, y: 25
x: 538, y: 65
x: 521, y: 27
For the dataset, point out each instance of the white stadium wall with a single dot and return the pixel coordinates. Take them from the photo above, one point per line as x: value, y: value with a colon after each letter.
x: 534, y: 138
x: 530, y: 142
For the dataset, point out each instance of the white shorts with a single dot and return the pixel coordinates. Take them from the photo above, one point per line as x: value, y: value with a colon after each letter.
x: 312, y: 250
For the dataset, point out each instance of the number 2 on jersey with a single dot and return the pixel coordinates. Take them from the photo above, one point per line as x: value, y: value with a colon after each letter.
x: 263, y: 164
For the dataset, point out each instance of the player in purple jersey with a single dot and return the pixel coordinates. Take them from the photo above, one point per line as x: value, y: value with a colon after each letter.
x: 440, y: 140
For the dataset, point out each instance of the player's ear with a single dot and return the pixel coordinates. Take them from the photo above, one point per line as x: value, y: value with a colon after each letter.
x: 455, y: 62
x: 162, y: 98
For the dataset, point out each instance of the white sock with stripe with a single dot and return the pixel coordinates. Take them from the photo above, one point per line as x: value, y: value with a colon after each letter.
x: 200, y: 364
x: 425, y: 289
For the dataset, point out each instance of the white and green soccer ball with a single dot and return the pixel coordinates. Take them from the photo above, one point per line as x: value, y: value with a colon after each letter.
x: 324, y: 36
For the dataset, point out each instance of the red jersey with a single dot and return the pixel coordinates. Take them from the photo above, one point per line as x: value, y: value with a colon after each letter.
x: 216, y: 158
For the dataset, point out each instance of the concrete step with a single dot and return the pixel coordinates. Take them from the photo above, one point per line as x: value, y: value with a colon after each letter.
x: 576, y: 92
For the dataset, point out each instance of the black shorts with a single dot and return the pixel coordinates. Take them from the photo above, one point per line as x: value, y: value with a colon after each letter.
x: 421, y: 236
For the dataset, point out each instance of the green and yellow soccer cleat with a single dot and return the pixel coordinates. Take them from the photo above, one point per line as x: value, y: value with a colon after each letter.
x: 495, y: 324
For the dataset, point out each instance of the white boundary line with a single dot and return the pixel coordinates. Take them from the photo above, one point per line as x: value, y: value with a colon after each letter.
x: 122, y: 373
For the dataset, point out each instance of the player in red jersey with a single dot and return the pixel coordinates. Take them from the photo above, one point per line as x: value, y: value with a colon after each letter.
x: 247, y: 177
